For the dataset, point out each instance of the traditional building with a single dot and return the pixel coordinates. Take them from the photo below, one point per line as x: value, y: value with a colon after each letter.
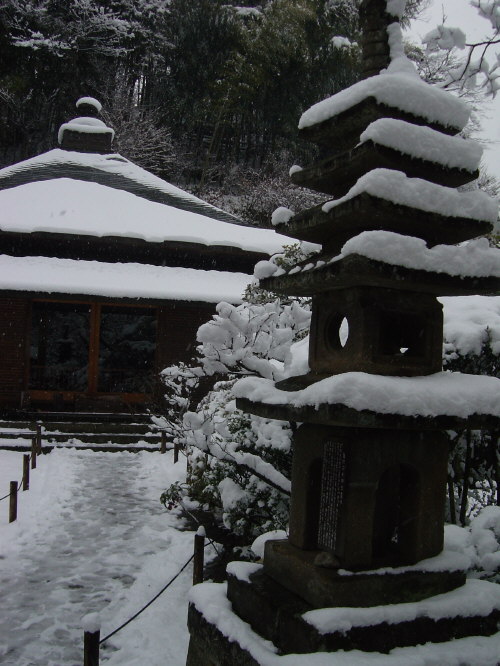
x: 106, y: 272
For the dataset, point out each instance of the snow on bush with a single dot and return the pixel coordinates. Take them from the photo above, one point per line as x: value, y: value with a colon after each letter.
x: 251, y: 338
x: 239, y: 464
x: 281, y: 215
x: 479, y: 541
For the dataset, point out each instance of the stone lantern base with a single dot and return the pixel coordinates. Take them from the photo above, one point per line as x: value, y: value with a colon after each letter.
x: 259, y: 621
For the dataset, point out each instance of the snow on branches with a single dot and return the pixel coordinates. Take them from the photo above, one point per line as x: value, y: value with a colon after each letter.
x: 239, y: 464
x: 252, y: 338
x: 476, y: 71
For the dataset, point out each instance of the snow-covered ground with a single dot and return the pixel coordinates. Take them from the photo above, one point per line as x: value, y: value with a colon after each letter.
x: 92, y: 535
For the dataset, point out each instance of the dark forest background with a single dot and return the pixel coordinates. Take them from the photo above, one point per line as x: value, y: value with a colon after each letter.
x: 204, y: 93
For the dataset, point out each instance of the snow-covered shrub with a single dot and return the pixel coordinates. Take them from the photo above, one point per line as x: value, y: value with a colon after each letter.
x: 239, y: 464
x: 479, y: 542
x: 474, y: 459
x: 182, y: 383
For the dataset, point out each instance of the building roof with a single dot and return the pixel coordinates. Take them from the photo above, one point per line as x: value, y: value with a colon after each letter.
x: 71, y: 206
x: 58, y: 277
x: 106, y: 227
x: 111, y: 170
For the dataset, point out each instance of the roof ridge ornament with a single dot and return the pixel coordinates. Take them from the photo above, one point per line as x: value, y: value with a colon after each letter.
x: 86, y: 133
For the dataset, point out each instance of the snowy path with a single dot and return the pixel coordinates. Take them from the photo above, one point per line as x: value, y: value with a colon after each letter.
x: 92, y: 536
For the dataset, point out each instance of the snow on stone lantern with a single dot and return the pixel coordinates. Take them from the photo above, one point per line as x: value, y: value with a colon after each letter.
x: 370, y: 454
x: 86, y: 133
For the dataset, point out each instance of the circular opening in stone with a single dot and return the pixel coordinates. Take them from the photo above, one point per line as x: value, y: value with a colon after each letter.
x: 343, y: 332
x: 336, y: 332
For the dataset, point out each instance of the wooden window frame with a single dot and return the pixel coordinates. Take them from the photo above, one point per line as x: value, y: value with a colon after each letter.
x: 93, y: 354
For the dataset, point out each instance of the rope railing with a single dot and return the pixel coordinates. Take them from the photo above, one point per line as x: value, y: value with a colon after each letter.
x: 92, y: 630
x: 15, y: 487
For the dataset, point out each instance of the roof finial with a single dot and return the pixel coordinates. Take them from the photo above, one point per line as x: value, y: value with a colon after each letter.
x: 374, y: 17
x: 89, y: 106
x: 87, y: 133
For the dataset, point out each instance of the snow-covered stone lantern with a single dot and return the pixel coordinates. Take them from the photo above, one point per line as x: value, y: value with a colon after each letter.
x: 370, y: 454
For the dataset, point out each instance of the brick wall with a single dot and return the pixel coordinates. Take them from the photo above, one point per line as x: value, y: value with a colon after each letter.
x: 14, y: 314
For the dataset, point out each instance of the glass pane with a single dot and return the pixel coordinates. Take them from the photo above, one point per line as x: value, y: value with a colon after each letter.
x: 127, y: 346
x: 59, y: 346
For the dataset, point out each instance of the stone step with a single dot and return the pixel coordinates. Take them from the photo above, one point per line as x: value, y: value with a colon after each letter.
x: 68, y: 417
x: 58, y: 427
x: 92, y: 446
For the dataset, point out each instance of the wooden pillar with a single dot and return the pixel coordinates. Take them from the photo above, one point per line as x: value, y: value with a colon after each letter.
x: 13, y: 502
x: 26, y: 472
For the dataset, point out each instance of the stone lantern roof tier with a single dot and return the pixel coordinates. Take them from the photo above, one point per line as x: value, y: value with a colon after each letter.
x: 435, y: 214
x: 399, y: 92
x: 435, y: 161
x: 343, y: 131
x: 388, y: 260
x: 444, y: 400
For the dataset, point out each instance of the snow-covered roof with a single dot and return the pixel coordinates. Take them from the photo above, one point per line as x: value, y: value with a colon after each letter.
x: 65, y: 205
x: 111, y: 170
x: 50, y: 275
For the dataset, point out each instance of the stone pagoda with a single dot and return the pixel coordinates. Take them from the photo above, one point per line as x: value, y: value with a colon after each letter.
x: 370, y: 454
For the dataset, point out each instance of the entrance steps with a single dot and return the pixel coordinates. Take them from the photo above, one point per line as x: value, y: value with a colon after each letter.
x: 104, y: 431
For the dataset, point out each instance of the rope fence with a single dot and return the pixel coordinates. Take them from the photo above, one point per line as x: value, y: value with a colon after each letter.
x: 29, y: 462
x: 91, y: 623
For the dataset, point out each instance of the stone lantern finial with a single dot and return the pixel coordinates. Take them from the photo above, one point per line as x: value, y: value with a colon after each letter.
x: 374, y: 19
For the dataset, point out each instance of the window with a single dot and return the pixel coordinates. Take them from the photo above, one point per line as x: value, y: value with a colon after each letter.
x: 92, y: 348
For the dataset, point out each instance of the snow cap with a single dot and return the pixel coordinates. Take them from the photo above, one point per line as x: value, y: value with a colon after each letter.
x: 89, y: 104
x: 91, y: 623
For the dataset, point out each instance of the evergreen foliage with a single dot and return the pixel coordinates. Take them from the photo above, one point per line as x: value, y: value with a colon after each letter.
x: 224, y: 83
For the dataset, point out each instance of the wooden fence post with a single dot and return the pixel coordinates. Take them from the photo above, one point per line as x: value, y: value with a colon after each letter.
x: 33, y: 453
x: 13, y: 502
x: 26, y: 471
x: 91, y: 639
x: 39, y: 438
x: 176, y: 452
x: 163, y: 443
x: 199, y: 555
